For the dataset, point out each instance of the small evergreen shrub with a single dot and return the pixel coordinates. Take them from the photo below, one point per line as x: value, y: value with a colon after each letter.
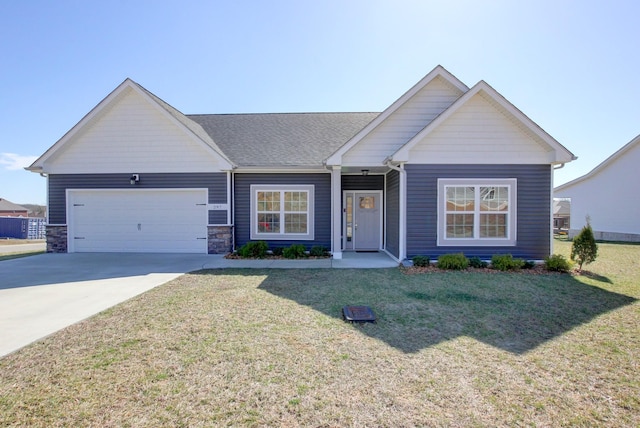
x: 253, y: 249
x: 319, y: 251
x: 295, y: 251
x: 421, y: 261
x: 505, y: 262
x: 528, y: 264
x: 584, y: 249
x: 557, y: 263
x: 456, y: 261
x: 277, y: 251
x: 475, y: 262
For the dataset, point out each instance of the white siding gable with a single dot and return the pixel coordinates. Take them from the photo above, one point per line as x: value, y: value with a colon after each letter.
x: 480, y: 132
x: 435, y: 97
x: 607, y: 194
x: 132, y: 134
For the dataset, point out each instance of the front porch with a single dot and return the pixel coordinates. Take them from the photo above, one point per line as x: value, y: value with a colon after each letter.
x: 366, y: 211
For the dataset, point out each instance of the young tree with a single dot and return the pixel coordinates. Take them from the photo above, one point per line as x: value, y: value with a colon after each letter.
x: 584, y: 248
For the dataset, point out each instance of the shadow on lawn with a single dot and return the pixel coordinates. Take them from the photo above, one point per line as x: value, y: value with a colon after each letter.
x: 509, y: 311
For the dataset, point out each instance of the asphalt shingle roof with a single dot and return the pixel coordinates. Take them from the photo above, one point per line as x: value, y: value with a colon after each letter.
x: 281, y: 139
x: 10, y: 206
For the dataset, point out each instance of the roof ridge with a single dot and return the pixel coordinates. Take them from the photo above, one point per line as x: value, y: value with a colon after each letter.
x: 282, y: 113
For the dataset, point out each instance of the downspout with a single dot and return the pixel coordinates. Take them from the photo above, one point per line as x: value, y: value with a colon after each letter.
x: 402, y: 232
x: 231, y: 195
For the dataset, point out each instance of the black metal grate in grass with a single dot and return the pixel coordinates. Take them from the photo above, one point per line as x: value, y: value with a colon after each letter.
x: 358, y: 314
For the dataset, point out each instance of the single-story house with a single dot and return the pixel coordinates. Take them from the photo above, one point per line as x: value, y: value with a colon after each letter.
x: 445, y: 168
x: 598, y: 195
x: 561, y: 215
x: 9, y: 209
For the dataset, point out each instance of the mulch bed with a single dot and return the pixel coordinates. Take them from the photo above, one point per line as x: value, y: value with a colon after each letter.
x: 536, y: 270
x: 233, y: 256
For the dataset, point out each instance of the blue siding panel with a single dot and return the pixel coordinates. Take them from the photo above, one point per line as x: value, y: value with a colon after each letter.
x: 59, y: 183
x: 392, y: 237
x: 322, y: 206
x: 533, y: 218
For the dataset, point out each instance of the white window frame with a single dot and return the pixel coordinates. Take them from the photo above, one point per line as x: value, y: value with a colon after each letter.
x: 309, y: 189
x: 477, y: 241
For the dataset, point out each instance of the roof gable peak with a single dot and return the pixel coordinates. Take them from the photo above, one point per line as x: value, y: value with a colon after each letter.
x: 111, y: 100
x: 438, y: 72
x: 494, y: 97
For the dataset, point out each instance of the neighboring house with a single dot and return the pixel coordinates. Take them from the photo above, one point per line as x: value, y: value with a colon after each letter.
x: 9, y: 209
x: 446, y: 168
x: 561, y: 215
x: 613, y: 213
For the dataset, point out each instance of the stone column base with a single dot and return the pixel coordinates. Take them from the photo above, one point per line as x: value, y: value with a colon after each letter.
x: 56, y: 239
x: 220, y: 239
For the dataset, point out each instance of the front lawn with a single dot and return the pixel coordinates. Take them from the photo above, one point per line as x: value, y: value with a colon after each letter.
x: 269, y: 348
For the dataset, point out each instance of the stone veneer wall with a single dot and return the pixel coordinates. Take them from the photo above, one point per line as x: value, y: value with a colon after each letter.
x: 220, y: 239
x: 56, y: 239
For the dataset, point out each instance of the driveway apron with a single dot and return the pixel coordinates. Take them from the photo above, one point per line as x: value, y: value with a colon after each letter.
x: 42, y: 294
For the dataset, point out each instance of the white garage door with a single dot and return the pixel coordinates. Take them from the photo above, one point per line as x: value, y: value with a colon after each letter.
x: 137, y: 220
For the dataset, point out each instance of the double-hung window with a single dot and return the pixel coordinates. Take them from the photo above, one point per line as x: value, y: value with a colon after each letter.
x: 477, y: 212
x: 282, y: 212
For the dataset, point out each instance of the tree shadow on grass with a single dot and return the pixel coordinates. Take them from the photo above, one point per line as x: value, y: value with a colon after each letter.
x: 595, y: 276
x: 512, y: 312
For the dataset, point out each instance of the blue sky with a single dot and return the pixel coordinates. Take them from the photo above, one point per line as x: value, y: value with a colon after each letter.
x: 571, y: 66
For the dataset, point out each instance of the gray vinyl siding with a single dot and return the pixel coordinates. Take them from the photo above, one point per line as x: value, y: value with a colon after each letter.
x: 392, y: 238
x: 533, y: 208
x: 322, y: 206
x: 361, y: 182
x: 59, y: 183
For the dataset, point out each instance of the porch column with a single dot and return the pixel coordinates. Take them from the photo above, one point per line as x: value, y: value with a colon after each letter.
x: 403, y: 213
x: 336, y: 211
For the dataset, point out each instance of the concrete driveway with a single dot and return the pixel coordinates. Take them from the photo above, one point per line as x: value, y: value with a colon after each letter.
x: 42, y: 294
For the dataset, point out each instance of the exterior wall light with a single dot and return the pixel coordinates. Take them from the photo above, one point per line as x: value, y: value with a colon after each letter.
x: 365, y: 172
x: 135, y: 178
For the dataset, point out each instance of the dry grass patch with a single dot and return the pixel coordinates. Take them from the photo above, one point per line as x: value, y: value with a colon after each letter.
x: 268, y: 348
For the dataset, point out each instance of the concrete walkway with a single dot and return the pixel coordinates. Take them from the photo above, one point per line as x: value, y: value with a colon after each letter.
x: 42, y: 294
x: 350, y: 260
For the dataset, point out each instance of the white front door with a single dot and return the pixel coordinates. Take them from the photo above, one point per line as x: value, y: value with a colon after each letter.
x: 363, y: 220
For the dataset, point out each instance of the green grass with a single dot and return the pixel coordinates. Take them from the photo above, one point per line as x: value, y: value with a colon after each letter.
x: 269, y: 348
x: 19, y: 255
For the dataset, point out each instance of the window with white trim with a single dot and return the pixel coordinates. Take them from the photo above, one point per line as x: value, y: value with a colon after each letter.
x: 477, y: 212
x: 282, y: 212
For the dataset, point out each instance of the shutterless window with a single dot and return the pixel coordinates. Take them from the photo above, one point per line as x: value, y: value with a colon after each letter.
x: 282, y: 212
x: 476, y: 212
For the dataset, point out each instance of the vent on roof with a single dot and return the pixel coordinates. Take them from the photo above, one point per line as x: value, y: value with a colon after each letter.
x: 358, y: 314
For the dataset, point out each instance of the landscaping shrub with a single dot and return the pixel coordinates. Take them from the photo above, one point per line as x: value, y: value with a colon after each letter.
x: 456, y: 261
x: 295, y: 251
x: 475, y: 262
x: 505, y: 262
x: 528, y: 264
x: 277, y: 251
x: 421, y: 261
x: 318, y: 251
x: 253, y: 249
x: 557, y: 263
x: 584, y: 248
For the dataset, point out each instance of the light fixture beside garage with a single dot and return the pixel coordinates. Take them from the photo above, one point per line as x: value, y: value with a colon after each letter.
x: 135, y: 178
